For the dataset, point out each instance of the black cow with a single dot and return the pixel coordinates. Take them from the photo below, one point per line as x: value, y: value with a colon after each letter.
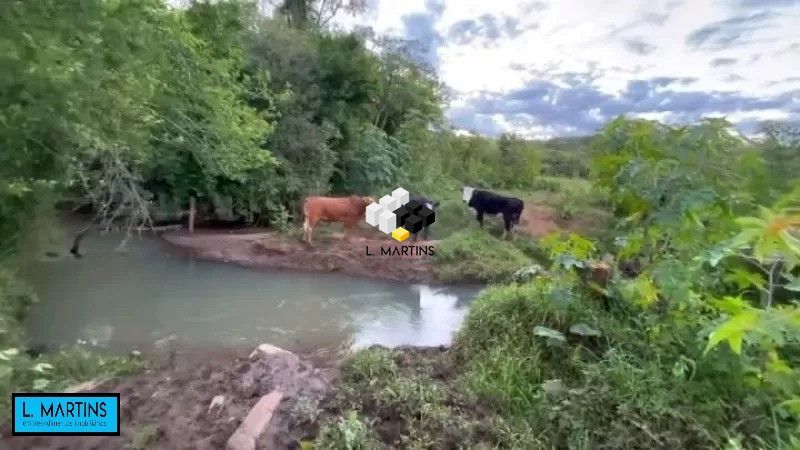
x: 428, y: 203
x: 485, y: 202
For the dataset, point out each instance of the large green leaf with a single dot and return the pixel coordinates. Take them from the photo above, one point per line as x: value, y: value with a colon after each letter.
x: 733, y: 331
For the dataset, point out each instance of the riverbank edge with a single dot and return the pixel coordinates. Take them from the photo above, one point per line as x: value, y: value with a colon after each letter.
x: 263, y: 249
x: 214, y: 404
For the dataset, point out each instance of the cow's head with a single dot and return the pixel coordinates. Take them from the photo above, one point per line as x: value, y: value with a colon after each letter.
x: 467, y: 194
x: 367, y: 200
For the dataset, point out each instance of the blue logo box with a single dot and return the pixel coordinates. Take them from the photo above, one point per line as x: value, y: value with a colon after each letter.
x: 54, y: 414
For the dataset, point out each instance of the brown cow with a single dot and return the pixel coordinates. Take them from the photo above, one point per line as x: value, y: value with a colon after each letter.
x: 348, y: 210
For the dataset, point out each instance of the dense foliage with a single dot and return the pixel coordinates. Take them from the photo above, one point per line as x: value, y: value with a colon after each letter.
x: 639, y: 361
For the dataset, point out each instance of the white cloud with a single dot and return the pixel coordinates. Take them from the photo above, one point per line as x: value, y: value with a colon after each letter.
x: 716, y: 46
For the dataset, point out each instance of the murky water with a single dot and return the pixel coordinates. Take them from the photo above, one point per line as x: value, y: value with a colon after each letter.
x: 123, y: 301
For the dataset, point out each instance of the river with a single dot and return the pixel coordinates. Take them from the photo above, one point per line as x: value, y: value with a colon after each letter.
x: 130, y: 300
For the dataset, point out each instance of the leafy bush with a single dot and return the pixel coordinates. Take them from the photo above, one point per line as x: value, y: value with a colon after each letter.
x: 477, y: 255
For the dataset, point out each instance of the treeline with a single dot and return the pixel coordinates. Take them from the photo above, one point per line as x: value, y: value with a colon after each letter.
x: 132, y: 105
x: 135, y: 108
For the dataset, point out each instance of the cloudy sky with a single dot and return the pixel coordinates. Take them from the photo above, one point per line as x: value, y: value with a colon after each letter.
x: 544, y: 68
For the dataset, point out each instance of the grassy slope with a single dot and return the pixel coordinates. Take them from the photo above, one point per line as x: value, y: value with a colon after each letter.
x: 506, y: 385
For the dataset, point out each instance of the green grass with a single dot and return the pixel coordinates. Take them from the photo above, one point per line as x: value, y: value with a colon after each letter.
x: 452, y: 215
x: 369, y: 364
x: 477, y: 255
x: 507, y: 360
x: 412, y: 407
x: 616, y: 390
x: 55, y: 371
x: 349, y: 432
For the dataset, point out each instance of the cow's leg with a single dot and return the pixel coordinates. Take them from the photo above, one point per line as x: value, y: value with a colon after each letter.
x: 347, y: 228
x: 425, y: 233
x: 479, y: 216
x: 308, y: 230
x: 507, y: 221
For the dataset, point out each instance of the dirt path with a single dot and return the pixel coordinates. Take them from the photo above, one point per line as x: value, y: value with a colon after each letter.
x: 170, y: 408
x: 258, y: 248
x: 539, y: 220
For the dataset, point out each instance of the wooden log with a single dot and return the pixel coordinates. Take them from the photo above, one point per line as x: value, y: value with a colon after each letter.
x: 257, y: 420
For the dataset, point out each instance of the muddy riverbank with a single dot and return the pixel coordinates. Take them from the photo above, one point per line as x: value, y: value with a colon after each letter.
x: 360, y: 255
x: 199, y: 405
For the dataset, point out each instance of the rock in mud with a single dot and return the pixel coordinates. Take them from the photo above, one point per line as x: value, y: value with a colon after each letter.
x: 269, y: 350
x: 216, y: 404
x: 257, y: 420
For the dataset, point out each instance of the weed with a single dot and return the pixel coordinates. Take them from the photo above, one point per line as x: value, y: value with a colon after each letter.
x: 346, y: 433
x: 305, y: 410
x: 370, y: 364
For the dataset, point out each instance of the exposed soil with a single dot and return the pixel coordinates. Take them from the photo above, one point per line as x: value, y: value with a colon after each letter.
x: 540, y: 220
x: 258, y: 248
x: 173, y: 404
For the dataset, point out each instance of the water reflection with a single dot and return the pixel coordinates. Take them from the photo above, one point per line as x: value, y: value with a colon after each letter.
x: 430, y: 320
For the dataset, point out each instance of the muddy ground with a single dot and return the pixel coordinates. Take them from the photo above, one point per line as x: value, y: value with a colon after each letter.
x: 258, y: 248
x: 168, y: 407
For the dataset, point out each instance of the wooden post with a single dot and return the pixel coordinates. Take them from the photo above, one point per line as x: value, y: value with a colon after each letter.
x: 192, y: 210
